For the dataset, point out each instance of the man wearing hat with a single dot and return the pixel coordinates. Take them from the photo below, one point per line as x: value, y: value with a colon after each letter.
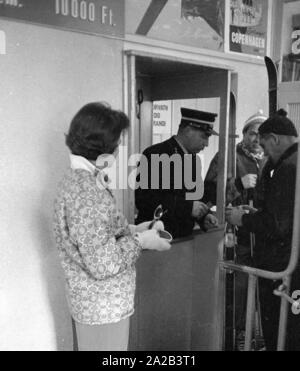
x: 273, y: 222
x: 241, y: 190
x: 181, y: 212
x: 249, y: 160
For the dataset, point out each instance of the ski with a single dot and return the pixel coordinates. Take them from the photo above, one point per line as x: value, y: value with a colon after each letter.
x: 273, y: 84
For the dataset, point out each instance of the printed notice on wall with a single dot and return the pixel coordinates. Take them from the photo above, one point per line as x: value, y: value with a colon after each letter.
x: 162, y: 117
x: 249, y: 26
x: 102, y: 17
x: 2, y: 42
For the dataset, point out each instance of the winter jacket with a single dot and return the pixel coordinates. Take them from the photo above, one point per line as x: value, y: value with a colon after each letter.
x: 178, y: 219
x: 274, y: 221
x: 97, y: 250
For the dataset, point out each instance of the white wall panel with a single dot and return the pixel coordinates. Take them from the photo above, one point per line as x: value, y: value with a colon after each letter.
x: 46, y: 76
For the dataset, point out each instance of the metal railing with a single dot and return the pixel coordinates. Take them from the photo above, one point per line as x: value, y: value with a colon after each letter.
x: 285, y: 276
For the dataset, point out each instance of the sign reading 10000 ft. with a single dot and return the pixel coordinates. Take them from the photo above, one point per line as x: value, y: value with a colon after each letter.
x: 102, y: 17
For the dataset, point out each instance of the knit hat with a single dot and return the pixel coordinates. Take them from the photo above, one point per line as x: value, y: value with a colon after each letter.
x: 278, y: 124
x: 257, y: 118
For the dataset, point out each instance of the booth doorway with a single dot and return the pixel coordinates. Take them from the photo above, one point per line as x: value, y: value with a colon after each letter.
x: 153, y: 78
x: 163, y: 81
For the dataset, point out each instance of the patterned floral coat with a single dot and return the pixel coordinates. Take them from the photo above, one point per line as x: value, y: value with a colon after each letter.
x: 97, y: 250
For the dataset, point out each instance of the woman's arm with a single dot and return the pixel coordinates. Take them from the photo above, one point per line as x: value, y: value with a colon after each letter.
x: 92, y: 229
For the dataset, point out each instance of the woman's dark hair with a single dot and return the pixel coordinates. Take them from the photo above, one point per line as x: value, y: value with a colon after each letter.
x: 95, y: 130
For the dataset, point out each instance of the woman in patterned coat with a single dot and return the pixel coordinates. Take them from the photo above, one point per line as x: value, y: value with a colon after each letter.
x: 97, y: 247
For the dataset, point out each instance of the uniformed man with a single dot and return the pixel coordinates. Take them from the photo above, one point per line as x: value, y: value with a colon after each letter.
x: 180, y: 165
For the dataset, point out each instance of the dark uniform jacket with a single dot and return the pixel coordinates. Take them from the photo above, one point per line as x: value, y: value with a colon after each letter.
x: 274, y: 221
x: 236, y: 194
x: 177, y: 220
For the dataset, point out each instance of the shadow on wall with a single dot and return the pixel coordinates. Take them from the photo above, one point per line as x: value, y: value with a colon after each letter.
x: 55, y: 285
x: 55, y: 161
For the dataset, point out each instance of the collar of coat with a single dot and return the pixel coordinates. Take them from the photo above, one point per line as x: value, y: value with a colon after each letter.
x: 253, y: 156
x: 180, y: 144
x: 176, y: 147
x: 81, y: 163
x: 292, y: 149
x: 269, y: 166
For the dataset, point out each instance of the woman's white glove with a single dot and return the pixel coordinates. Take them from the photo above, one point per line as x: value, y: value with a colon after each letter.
x: 150, y: 240
x: 158, y: 226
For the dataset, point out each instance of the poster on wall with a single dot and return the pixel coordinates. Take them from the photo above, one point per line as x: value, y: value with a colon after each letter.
x: 295, y: 36
x: 197, y: 23
x: 291, y: 42
x: 211, y: 11
x: 248, y: 26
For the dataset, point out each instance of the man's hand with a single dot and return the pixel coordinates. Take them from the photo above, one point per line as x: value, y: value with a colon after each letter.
x: 210, y: 221
x: 234, y: 215
x: 249, y: 181
x: 158, y: 226
x: 249, y: 209
x: 199, y: 209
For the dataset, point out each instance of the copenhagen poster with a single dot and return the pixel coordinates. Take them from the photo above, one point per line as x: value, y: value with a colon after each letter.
x: 248, y: 26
